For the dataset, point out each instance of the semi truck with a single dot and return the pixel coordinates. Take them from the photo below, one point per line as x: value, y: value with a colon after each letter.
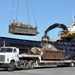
x: 48, y: 55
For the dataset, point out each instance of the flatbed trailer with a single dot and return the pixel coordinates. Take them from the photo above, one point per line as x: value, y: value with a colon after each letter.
x: 48, y: 63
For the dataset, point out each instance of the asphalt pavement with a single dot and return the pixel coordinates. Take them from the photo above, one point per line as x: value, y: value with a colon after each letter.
x: 41, y: 71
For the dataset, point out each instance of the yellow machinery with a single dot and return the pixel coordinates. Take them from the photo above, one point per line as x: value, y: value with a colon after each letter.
x: 68, y: 34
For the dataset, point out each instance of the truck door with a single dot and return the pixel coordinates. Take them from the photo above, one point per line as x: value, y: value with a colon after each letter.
x: 16, y: 54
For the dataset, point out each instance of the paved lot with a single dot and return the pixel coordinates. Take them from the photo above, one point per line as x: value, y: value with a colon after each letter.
x: 42, y: 71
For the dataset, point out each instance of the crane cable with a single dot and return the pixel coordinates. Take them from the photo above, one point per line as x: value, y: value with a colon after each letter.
x: 28, y: 12
x: 17, y: 9
x: 11, y: 11
x: 33, y: 13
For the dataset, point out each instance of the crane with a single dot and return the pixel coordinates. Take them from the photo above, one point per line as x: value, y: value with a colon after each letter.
x: 52, y: 27
x: 68, y: 33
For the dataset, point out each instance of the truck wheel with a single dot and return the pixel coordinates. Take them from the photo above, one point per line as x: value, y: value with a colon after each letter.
x: 72, y: 64
x: 25, y: 65
x: 31, y: 64
x: 11, y: 66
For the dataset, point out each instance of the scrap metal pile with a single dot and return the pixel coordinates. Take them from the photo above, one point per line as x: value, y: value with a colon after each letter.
x: 22, y: 29
x: 48, y: 52
x: 35, y: 50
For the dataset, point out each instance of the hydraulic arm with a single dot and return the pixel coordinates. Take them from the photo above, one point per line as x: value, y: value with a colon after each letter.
x: 52, y: 27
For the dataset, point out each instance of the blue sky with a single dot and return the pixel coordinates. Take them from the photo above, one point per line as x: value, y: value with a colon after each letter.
x: 47, y: 12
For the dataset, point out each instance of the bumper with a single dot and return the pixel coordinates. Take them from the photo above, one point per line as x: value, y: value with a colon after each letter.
x: 4, y: 65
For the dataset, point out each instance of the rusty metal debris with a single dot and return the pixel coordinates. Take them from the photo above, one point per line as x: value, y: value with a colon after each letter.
x: 22, y: 29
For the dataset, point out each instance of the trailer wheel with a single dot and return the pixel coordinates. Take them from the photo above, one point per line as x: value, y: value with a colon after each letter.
x: 72, y: 64
x: 25, y: 65
x: 31, y: 64
x: 11, y: 66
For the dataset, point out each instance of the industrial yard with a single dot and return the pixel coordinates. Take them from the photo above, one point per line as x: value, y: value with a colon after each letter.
x: 41, y: 55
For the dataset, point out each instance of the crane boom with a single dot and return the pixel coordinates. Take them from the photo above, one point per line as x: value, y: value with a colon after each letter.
x: 54, y: 26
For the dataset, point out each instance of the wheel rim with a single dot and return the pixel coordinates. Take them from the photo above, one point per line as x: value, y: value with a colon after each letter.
x: 72, y: 64
x: 26, y: 66
x: 11, y: 66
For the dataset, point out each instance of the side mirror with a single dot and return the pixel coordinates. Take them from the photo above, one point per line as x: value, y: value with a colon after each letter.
x: 14, y: 51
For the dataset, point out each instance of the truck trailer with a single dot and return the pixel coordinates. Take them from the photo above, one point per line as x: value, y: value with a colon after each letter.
x: 35, y: 57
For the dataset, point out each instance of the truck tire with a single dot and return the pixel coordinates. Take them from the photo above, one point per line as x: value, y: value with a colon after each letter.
x: 11, y: 66
x: 25, y: 65
x: 31, y: 64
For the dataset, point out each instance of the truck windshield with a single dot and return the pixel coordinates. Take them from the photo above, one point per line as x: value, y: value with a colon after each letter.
x: 5, y: 50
